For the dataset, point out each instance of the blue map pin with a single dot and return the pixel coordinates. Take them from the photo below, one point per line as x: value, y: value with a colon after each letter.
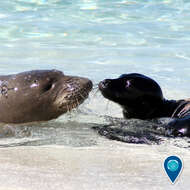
x: 173, y: 167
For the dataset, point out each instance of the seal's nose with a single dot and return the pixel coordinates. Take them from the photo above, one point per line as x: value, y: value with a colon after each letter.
x: 85, y: 83
x: 104, y: 84
x: 89, y: 84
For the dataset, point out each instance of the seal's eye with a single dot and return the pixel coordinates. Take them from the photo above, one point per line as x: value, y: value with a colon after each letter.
x: 48, y: 86
x: 128, y: 83
x: 34, y: 83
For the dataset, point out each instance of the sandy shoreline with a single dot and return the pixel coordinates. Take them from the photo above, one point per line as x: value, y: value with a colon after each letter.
x: 60, y: 167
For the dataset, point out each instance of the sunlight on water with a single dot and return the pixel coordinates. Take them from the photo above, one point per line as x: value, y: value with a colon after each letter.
x: 96, y: 39
x: 99, y: 40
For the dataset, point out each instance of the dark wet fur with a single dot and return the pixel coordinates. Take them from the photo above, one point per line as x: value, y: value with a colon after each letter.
x: 141, y: 97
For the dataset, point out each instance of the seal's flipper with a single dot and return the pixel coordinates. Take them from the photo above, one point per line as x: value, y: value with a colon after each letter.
x: 179, y: 127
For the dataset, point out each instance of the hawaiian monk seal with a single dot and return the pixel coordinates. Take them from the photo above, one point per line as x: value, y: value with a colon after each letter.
x: 40, y: 95
x: 141, y: 97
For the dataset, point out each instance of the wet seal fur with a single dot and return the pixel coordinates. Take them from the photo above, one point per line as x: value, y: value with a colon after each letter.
x: 141, y: 97
x: 40, y: 95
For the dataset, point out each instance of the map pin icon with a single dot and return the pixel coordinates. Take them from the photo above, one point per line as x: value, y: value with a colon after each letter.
x: 173, y: 167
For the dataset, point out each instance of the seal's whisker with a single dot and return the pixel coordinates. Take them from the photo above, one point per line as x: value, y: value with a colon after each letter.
x: 69, y: 108
x: 75, y: 104
x: 84, y: 93
x: 95, y: 87
x: 107, y: 105
x: 81, y: 95
x: 96, y: 92
x: 77, y: 101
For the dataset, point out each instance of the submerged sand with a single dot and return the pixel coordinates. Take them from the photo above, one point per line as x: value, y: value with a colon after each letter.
x: 112, y: 166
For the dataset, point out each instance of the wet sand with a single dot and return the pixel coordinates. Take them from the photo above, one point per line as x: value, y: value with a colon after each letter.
x: 117, y: 166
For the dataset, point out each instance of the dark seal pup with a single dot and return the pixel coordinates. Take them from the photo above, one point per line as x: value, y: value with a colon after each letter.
x: 141, y: 97
x: 40, y: 95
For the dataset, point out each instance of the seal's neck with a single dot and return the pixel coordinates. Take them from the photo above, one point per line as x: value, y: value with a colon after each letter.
x: 166, y: 108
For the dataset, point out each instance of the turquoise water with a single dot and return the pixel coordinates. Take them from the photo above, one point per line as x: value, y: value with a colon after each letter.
x: 99, y: 38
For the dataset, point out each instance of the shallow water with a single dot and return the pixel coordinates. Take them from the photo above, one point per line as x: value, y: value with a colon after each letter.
x: 96, y: 39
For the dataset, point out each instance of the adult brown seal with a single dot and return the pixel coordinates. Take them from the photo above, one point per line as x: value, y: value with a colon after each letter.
x: 40, y: 95
x: 141, y: 97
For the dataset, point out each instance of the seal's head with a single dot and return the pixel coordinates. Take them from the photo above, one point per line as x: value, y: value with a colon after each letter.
x: 139, y: 95
x: 40, y: 95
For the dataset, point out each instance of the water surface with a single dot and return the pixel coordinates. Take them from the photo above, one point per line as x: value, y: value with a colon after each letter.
x: 97, y: 39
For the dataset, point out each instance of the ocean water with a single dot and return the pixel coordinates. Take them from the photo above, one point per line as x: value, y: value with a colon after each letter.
x: 97, y: 39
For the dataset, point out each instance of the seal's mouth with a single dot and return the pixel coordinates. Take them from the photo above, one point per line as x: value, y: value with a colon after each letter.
x: 73, y: 92
x: 77, y: 97
x: 107, y: 90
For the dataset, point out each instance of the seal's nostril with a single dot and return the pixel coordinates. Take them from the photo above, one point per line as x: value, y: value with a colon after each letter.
x: 89, y: 84
x: 105, y: 83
